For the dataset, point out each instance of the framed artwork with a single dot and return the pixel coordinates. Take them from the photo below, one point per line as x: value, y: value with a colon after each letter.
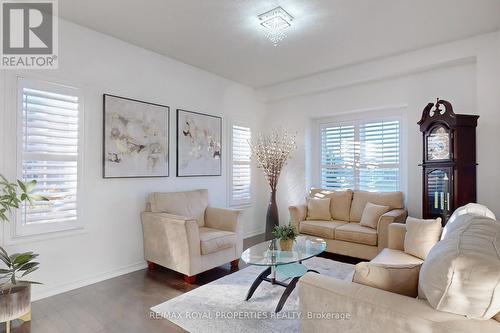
x: 135, y: 138
x: 199, y: 144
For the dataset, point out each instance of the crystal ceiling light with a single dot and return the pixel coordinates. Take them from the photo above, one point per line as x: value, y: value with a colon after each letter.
x: 275, y: 22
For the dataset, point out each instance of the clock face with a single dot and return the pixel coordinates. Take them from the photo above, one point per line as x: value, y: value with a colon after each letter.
x: 438, y: 144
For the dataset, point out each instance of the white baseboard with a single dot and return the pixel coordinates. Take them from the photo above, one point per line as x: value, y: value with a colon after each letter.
x: 64, y: 287
x: 39, y: 292
x: 254, y: 233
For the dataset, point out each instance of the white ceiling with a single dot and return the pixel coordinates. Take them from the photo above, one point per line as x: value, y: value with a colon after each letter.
x: 224, y: 37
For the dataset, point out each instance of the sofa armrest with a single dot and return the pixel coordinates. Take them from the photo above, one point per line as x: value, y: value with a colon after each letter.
x: 298, y: 214
x: 171, y: 240
x: 223, y: 219
x: 396, y: 234
x: 395, y: 215
x: 326, y: 302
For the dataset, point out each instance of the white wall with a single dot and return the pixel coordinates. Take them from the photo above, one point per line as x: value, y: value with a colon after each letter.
x: 111, y: 242
x: 466, y: 73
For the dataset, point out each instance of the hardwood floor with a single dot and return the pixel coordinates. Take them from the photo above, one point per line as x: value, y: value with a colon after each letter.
x: 121, y: 304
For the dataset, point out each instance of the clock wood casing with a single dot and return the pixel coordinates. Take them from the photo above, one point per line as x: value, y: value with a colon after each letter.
x: 449, y: 160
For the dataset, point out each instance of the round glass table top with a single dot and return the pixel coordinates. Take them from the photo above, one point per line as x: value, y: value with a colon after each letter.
x: 304, y: 247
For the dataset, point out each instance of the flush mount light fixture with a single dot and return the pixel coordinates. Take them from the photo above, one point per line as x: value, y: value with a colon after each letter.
x: 275, y: 22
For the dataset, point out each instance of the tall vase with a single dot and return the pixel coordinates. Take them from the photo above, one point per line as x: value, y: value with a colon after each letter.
x: 272, y: 219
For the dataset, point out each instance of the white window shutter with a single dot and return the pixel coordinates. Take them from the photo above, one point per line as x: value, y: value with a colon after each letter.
x: 338, y: 153
x: 379, y: 156
x: 241, y: 173
x: 361, y: 155
x: 50, y: 152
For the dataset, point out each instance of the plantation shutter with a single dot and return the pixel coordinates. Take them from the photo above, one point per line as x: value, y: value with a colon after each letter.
x: 379, y: 156
x: 338, y: 154
x: 361, y: 155
x: 50, y: 129
x: 241, y: 169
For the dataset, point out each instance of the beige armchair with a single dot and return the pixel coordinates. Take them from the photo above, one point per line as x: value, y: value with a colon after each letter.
x: 182, y: 233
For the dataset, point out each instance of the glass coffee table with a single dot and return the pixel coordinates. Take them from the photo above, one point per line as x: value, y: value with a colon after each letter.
x: 285, y: 264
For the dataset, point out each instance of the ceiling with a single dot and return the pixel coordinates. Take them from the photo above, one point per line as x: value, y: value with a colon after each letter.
x: 224, y: 37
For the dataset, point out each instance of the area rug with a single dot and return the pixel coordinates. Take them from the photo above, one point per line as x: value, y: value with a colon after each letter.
x: 220, y: 306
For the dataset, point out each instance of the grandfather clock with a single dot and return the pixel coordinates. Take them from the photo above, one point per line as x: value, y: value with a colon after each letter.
x: 449, y: 159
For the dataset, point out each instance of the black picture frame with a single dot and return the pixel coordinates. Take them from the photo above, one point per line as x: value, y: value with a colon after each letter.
x: 167, y: 138
x: 178, y: 171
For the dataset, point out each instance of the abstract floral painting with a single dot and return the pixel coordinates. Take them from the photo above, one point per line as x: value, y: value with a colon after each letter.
x: 199, y: 144
x: 135, y: 138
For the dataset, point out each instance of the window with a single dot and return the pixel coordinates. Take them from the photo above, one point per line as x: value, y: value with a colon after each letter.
x: 363, y: 155
x: 240, y: 191
x: 49, y: 121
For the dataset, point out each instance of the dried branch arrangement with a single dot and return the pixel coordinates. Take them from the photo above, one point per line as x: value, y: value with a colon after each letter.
x: 271, y: 152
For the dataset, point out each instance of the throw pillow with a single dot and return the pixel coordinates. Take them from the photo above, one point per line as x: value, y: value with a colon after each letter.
x: 399, y: 279
x: 371, y: 215
x: 421, y: 236
x: 461, y: 274
x: 318, y: 209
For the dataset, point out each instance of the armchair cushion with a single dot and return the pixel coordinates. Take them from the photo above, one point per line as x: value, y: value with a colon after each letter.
x: 318, y: 209
x: 353, y: 232
x: 371, y: 215
x: 421, y: 236
x: 324, y: 229
x: 213, y: 240
x: 190, y: 204
x: 399, y: 279
x: 396, y: 257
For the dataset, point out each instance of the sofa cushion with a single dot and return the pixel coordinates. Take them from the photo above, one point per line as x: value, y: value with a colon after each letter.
x: 421, y: 236
x: 461, y: 273
x: 325, y: 229
x: 400, y: 279
x: 396, y: 257
x: 371, y: 215
x: 214, y: 240
x: 340, y: 203
x: 189, y: 204
x: 356, y: 233
x: 318, y: 209
x: 359, y: 199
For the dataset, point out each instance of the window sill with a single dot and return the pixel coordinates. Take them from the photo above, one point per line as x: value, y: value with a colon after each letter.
x: 40, y: 237
x: 241, y: 206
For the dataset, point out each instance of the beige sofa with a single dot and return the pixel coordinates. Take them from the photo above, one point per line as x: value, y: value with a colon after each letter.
x: 183, y: 233
x: 367, y: 309
x: 343, y: 234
